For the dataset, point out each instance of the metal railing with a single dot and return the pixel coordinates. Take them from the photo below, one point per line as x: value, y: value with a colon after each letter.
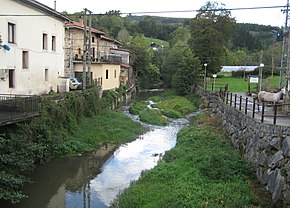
x: 14, y: 108
x: 264, y: 112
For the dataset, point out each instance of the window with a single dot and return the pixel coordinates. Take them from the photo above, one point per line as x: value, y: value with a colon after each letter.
x: 94, y: 53
x: 93, y: 39
x: 44, y: 41
x: 11, y: 32
x: 107, y: 74
x: 25, y: 59
x: 11, y: 78
x: 53, y: 43
x: 115, y: 74
x: 46, y: 75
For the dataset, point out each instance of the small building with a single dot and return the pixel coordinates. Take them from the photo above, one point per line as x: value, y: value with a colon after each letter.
x: 32, y: 59
x: 238, y: 68
x: 106, y: 57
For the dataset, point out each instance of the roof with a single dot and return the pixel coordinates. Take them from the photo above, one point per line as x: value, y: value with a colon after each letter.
x: 120, y: 49
x: 80, y: 25
x: 110, y: 39
x: 238, y: 68
x: 43, y: 8
x: 127, y: 66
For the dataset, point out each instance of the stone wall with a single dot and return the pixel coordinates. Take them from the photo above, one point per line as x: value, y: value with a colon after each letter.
x: 266, y: 146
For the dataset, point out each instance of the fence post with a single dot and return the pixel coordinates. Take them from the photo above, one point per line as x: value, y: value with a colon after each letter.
x: 211, y: 86
x: 254, y: 106
x: 231, y: 99
x: 275, y: 114
x: 227, y: 97
x: 246, y: 106
x: 240, y: 109
x: 235, y: 101
x: 263, y: 112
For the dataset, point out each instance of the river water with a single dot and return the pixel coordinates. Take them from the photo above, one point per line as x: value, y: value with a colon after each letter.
x: 94, y: 180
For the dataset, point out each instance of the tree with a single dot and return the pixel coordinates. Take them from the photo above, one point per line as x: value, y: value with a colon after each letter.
x: 124, y: 36
x: 211, y: 33
x: 139, y: 56
x: 187, y: 71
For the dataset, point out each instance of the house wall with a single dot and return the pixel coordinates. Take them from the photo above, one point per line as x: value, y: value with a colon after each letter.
x: 28, y: 37
x: 74, y: 44
x: 99, y: 73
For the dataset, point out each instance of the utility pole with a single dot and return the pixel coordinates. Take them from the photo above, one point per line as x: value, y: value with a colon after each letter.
x: 85, y: 50
x: 90, y: 49
x: 284, y: 58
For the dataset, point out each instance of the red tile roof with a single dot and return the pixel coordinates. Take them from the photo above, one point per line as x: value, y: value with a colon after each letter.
x: 127, y: 66
x: 80, y: 25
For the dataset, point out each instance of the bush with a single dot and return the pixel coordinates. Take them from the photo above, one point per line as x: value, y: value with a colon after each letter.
x: 154, y: 117
x: 137, y: 108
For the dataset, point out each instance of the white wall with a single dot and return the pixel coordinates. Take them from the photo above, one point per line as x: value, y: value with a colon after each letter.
x: 29, y: 32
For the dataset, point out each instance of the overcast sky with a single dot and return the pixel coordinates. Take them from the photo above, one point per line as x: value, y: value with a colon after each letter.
x: 262, y: 16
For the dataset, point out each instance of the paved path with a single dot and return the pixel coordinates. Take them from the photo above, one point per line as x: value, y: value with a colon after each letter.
x: 283, y: 114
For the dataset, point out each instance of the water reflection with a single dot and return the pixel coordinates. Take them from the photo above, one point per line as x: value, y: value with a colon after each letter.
x: 95, y: 180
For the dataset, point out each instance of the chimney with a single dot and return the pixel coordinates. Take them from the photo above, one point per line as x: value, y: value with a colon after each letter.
x: 55, y: 5
x: 81, y: 20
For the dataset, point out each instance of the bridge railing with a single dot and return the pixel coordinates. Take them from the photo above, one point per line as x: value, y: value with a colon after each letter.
x: 17, y: 107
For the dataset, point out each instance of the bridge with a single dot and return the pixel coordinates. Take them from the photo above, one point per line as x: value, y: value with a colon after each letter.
x: 18, y: 108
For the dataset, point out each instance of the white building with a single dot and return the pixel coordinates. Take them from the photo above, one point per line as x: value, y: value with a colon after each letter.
x: 35, y: 35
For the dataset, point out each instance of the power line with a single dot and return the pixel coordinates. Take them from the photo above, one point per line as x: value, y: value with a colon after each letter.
x: 152, y: 12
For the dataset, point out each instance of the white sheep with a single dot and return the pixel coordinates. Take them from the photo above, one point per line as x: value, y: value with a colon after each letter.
x: 264, y: 96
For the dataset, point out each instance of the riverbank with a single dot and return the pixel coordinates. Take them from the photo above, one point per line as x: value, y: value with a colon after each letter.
x: 203, y: 170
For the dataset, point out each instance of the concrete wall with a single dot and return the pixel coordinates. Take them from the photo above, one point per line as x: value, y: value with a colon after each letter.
x: 266, y: 147
x: 28, y: 37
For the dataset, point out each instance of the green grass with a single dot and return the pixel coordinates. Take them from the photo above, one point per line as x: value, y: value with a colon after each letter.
x: 154, y: 117
x: 201, y: 171
x: 158, y: 42
x: 176, y: 103
x: 170, y: 105
x: 138, y: 107
x: 241, y: 85
x: 107, y: 127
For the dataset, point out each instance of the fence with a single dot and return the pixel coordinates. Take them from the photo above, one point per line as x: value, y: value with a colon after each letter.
x: 265, y: 112
x: 15, y: 108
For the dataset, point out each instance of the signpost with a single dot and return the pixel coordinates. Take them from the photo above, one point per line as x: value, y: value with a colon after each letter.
x: 252, y: 79
x: 214, y: 77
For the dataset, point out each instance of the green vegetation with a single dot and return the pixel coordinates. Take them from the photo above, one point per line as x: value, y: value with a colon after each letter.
x: 176, y: 103
x: 111, y: 127
x: 73, y: 125
x: 138, y: 107
x: 170, y: 105
x: 154, y: 117
x: 238, y: 84
x: 201, y: 171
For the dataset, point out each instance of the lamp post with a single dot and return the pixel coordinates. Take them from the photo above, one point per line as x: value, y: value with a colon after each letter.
x: 204, y: 81
x: 261, y: 75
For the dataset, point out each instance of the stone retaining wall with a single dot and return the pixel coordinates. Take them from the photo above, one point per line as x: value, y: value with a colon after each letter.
x: 266, y: 146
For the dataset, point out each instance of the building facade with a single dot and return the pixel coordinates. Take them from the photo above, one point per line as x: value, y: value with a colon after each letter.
x: 34, y: 63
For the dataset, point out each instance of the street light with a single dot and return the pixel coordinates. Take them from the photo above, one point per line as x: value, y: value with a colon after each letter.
x: 204, y: 81
x: 261, y: 75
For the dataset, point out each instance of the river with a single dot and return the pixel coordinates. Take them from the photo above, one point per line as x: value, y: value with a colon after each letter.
x: 95, y: 179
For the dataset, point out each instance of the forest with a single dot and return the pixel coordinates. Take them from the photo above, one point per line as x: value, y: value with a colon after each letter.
x: 184, y: 45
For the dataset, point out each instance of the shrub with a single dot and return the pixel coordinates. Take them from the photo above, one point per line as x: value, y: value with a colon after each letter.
x: 154, y: 117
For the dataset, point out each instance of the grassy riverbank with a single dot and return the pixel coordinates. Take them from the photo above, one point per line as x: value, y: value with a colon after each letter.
x: 203, y: 170
x: 169, y: 106
x: 106, y: 127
